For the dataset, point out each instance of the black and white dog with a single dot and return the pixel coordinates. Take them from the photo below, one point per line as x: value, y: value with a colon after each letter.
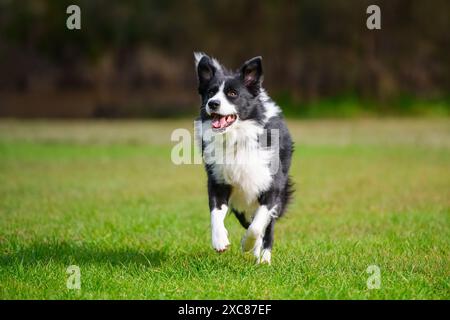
x: 247, y: 151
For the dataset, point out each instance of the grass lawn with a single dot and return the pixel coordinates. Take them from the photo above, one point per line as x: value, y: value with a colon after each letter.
x: 105, y: 196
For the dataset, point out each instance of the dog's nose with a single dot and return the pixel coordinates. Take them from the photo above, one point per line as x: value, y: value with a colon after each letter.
x: 213, y: 104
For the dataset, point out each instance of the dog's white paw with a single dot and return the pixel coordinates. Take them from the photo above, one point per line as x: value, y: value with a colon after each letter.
x: 220, y: 240
x: 250, y: 238
x: 264, y: 257
x: 258, y: 247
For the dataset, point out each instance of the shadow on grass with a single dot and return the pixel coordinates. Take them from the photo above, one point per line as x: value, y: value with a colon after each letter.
x: 81, y: 254
x: 76, y: 253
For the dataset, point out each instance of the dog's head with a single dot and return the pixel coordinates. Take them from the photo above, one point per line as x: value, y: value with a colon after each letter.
x: 228, y: 97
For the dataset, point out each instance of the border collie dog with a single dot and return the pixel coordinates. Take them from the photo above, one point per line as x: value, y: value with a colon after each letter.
x: 247, y: 151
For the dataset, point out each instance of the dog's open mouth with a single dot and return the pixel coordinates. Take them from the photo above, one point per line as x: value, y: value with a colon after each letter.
x: 222, y: 122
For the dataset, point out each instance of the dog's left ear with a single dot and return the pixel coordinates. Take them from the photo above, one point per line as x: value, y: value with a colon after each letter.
x: 206, y: 68
x: 252, y: 74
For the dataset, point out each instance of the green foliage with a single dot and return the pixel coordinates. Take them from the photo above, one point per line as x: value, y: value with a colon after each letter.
x: 139, y: 53
x: 350, y: 106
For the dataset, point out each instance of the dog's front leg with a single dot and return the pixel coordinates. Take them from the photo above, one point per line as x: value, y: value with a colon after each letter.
x: 259, y: 235
x: 218, y: 203
x: 253, y: 237
x: 219, y: 233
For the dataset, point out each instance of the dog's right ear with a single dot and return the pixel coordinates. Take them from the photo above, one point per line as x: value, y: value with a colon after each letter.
x: 205, y: 67
x: 252, y: 74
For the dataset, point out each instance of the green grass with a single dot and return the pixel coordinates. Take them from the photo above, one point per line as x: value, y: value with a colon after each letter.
x: 106, y: 197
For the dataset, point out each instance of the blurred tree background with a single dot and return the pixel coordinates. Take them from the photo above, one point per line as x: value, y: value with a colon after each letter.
x: 134, y: 58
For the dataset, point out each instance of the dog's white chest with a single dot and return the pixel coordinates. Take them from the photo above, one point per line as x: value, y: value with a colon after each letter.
x: 242, y: 162
x: 249, y: 177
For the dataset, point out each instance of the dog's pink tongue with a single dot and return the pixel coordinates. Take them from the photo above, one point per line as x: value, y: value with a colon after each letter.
x: 223, y: 122
x: 216, y: 123
x: 219, y: 122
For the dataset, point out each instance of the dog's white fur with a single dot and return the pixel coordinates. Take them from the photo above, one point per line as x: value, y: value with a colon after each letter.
x: 249, y: 174
x: 219, y: 233
x: 272, y: 109
x: 243, y: 164
x: 253, y: 237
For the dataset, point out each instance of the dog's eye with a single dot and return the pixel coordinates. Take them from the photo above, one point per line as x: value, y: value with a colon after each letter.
x: 232, y: 94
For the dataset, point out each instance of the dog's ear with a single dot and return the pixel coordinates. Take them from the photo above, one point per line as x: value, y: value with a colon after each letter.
x: 205, y: 67
x: 252, y: 74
